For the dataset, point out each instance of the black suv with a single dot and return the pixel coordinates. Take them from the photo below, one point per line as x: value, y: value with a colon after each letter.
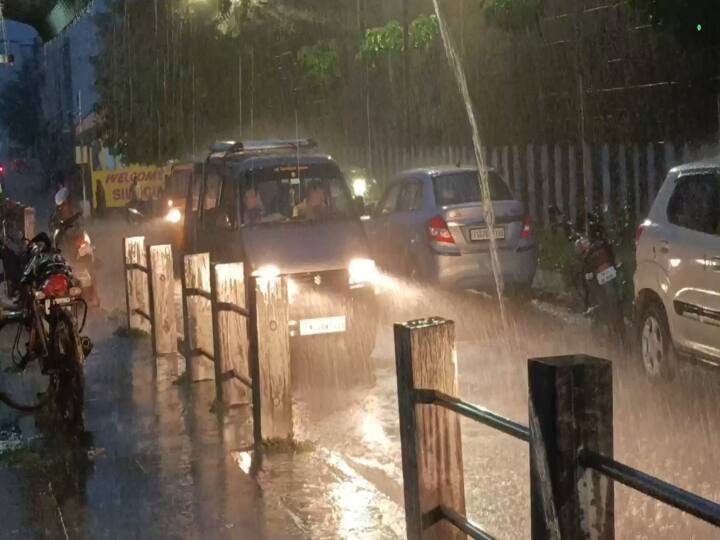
x: 283, y: 210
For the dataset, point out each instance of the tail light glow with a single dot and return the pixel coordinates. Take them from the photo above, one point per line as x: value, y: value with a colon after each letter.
x: 56, y: 286
x: 438, y: 231
x: 527, y: 230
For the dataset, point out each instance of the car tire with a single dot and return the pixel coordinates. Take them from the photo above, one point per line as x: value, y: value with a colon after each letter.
x: 657, y: 351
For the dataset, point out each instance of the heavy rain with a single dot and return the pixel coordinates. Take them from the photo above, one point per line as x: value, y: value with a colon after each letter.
x: 359, y: 269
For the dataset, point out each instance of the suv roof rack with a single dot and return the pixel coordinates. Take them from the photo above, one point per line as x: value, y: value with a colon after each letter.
x: 233, y: 147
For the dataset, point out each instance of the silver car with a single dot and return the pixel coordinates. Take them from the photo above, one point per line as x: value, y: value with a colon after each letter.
x: 430, y: 225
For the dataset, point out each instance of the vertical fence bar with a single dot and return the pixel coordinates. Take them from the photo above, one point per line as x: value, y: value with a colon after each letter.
x: 545, y: 176
x: 622, y: 165
x: 588, y: 180
x: 516, y: 181
x: 530, y: 160
x: 572, y: 183
x: 429, y: 435
x: 636, y: 181
x: 651, y: 174
x: 570, y: 406
x: 506, y: 163
x: 559, y: 199
x: 605, y: 163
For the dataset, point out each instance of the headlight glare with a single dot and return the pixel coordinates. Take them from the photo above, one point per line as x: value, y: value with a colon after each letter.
x: 362, y: 271
x: 174, y: 216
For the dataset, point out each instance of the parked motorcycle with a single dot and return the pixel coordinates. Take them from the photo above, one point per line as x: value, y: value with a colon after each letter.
x: 596, y: 273
x: 74, y: 242
x: 50, y: 312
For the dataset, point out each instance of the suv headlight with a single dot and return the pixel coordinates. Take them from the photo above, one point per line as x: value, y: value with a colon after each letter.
x: 174, y: 216
x: 362, y: 271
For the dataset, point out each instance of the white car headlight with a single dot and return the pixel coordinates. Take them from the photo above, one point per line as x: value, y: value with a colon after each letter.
x: 359, y: 187
x: 362, y: 271
x: 267, y: 272
x: 174, y: 216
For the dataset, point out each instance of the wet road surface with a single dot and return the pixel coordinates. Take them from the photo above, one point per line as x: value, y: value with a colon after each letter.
x: 161, y: 465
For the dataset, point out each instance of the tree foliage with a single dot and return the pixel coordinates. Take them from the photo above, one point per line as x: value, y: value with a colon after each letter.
x: 320, y: 62
x: 693, y: 22
x: 389, y: 38
x: 514, y: 15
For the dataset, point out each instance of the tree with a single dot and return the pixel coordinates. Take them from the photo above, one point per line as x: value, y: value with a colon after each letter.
x: 21, y: 104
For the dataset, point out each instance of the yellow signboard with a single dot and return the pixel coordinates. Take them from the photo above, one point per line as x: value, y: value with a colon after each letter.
x: 116, y: 184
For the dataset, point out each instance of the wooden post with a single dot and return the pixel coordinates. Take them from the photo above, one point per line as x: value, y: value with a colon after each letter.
x: 570, y: 405
x: 198, y: 325
x: 137, y: 294
x: 231, y: 352
x: 162, y: 293
x: 273, y: 357
x: 429, y: 435
x: 29, y: 222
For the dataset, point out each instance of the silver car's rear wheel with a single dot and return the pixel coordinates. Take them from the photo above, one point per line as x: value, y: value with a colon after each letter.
x: 656, y: 347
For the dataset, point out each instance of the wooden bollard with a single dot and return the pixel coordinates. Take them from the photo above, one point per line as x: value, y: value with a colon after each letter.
x: 198, y: 320
x: 429, y: 435
x: 137, y: 294
x: 162, y: 298
x: 270, y: 356
x: 571, y: 410
x: 231, y: 339
x: 29, y: 222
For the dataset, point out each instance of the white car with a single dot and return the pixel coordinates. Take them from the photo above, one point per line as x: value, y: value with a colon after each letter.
x: 677, y: 281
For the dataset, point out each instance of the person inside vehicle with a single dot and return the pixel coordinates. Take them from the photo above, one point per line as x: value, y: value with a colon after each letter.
x: 252, y: 207
x: 315, y: 204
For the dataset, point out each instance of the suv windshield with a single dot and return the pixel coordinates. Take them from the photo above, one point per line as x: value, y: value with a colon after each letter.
x: 464, y: 187
x: 308, y: 191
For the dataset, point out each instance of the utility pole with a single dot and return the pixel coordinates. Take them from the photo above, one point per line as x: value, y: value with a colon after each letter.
x: 82, y: 155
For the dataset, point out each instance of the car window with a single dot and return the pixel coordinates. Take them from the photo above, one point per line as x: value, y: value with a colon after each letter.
x: 212, y: 189
x: 464, y: 187
x: 295, y: 192
x: 390, y: 200
x: 695, y: 203
x: 196, y: 184
x: 410, y: 197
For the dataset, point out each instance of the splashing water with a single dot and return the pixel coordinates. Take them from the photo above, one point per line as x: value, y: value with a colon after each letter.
x: 488, y: 209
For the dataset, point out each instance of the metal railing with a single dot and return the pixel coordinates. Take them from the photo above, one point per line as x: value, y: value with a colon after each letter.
x: 571, y: 432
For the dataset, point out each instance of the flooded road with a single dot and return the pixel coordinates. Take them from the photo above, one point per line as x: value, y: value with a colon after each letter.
x: 158, y: 463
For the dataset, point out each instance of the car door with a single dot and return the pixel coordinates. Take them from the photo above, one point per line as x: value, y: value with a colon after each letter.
x: 379, y: 226
x: 691, y: 252
x: 404, y: 226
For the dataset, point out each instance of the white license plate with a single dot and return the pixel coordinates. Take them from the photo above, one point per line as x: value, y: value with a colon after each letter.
x: 607, y: 275
x: 323, y: 325
x: 482, y: 234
